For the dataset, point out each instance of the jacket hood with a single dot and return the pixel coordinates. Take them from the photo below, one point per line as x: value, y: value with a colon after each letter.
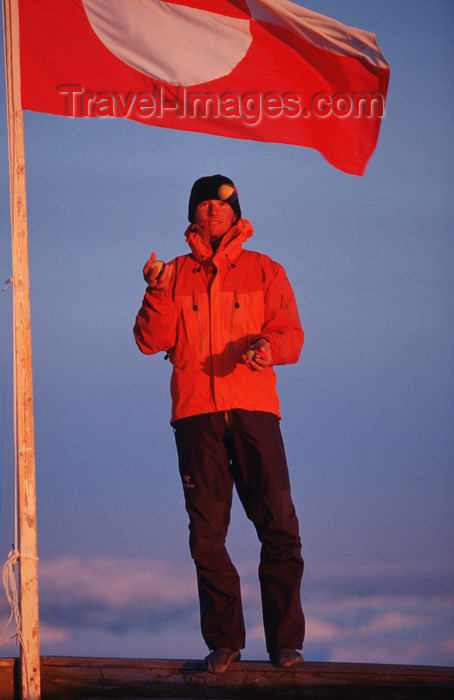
x: 200, y: 245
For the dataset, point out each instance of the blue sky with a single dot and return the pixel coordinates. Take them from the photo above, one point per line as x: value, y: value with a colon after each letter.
x: 367, y: 412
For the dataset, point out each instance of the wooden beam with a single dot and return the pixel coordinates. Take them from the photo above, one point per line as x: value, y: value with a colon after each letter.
x: 23, y: 382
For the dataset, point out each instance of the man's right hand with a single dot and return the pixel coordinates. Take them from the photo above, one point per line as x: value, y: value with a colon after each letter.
x: 156, y: 277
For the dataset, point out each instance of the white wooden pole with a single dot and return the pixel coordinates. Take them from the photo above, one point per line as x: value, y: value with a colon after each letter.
x: 25, y: 450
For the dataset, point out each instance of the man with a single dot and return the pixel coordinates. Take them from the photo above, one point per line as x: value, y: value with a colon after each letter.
x: 225, y: 316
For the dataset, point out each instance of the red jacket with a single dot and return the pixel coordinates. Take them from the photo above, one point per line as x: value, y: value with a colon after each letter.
x: 215, y: 307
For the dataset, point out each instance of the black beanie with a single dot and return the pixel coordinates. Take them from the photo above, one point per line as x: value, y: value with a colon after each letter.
x: 213, y: 187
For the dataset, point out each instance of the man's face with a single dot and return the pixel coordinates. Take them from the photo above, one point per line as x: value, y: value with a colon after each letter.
x: 215, y: 216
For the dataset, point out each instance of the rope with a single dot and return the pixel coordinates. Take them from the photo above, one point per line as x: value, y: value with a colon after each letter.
x: 10, y: 586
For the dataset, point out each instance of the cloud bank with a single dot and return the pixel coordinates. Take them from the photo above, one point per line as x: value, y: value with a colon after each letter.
x: 149, y: 609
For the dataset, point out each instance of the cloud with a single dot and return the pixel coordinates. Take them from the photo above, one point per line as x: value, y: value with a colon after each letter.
x: 115, y: 595
x: 320, y: 630
x: 393, y: 620
x: 395, y: 614
x: 137, y: 607
x: 383, y: 653
x: 117, y: 582
x: 52, y: 635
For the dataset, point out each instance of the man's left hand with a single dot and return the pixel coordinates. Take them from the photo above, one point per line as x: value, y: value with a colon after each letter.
x: 259, y: 355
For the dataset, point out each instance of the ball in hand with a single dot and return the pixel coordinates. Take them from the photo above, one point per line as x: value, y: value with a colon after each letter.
x: 157, y: 266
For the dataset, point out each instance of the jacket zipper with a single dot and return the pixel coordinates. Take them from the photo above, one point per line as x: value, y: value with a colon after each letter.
x: 195, y: 306
x: 233, y: 322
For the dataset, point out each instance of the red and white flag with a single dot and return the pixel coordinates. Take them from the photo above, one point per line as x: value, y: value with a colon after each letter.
x: 267, y: 70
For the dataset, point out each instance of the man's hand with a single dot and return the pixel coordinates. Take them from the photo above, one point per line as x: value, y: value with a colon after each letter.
x: 258, y: 356
x: 157, y: 274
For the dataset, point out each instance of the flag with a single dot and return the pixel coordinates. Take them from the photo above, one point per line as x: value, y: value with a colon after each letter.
x: 266, y: 70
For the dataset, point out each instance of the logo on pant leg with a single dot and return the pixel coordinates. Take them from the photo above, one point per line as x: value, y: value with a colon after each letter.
x: 188, y: 482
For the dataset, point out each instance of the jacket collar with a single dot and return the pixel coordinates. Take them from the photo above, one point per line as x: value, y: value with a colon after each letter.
x: 231, y: 244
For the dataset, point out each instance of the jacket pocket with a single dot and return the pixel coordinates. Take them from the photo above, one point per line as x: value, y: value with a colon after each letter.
x: 191, y: 346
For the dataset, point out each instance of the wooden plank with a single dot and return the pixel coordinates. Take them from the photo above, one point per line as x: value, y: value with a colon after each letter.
x: 93, y: 679
x: 7, y: 683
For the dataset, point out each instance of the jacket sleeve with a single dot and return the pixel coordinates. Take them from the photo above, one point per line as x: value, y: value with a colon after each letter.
x: 282, y: 325
x: 155, y: 326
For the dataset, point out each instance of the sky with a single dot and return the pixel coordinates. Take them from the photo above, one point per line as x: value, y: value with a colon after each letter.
x: 367, y: 411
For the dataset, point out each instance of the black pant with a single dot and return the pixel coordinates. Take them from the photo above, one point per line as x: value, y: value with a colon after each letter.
x: 245, y: 448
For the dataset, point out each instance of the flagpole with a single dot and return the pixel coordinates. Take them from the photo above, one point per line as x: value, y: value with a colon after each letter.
x: 23, y: 381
